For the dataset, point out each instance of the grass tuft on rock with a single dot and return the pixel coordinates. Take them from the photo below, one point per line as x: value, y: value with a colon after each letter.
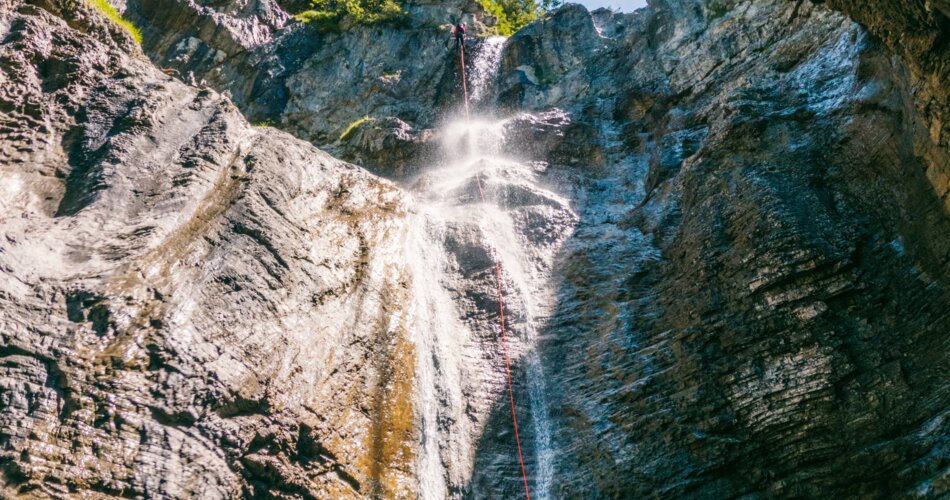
x: 353, y: 126
x: 107, y: 10
x: 717, y: 9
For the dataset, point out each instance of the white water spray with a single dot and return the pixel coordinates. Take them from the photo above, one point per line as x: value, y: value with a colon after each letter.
x: 448, y: 197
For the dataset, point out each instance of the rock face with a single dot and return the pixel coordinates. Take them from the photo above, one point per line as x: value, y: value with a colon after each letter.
x: 184, y: 296
x: 920, y: 34
x: 754, y: 301
x: 311, y: 83
x: 721, y: 228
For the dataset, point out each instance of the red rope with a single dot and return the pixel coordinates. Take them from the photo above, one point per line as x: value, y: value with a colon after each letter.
x: 464, y: 83
x: 501, y: 307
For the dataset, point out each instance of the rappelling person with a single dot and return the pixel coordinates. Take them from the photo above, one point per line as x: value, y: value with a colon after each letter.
x: 459, y: 32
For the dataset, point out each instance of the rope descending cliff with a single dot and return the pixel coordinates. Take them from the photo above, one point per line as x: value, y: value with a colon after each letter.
x: 501, y: 298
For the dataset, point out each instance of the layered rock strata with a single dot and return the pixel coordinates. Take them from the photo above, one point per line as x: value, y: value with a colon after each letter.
x: 190, y: 307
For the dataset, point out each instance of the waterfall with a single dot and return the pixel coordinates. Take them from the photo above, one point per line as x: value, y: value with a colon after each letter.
x: 485, y: 66
x: 439, y: 336
x: 446, y: 333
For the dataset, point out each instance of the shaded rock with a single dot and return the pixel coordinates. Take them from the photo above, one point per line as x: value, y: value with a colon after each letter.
x: 311, y: 83
x: 387, y: 147
x: 918, y: 32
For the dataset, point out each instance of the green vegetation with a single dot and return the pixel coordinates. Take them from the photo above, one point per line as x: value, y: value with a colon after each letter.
x: 336, y: 15
x: 331, y: 15
x: 512, y: 15
x: 718, y: 9
x: 353, y: 126
x: 107, y: 10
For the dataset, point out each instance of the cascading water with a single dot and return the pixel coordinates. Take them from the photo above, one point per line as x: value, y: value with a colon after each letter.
x: 458, y: 219
x: 485, y: 66
x: 439, y: 343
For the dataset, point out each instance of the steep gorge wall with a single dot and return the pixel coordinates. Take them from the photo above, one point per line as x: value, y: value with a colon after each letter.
x: 753, y: 302
x: 919, y: 33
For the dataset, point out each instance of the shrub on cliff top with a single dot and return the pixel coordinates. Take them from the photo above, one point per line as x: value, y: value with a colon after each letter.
x: 512, y: 15
x: 329, y: 14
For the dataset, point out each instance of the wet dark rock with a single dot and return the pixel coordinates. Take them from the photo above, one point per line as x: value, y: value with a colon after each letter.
x: 732, y: 314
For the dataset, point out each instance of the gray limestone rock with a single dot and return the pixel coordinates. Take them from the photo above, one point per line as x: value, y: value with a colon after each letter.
x: 190, y: 307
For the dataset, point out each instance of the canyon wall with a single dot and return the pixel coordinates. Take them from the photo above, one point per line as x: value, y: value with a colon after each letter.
x: 739, y: 211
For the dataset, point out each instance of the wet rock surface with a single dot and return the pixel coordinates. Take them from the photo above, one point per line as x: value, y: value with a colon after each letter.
x: 747, y: 305
x: 389, y: 147
x: 723, y: 225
